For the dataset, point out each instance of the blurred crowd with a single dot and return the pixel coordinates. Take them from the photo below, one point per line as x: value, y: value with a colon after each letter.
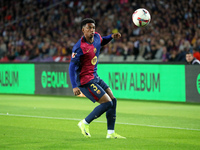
x: 46, y: 30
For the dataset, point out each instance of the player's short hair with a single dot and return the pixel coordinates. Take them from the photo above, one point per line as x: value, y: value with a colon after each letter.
x: 86, y: 20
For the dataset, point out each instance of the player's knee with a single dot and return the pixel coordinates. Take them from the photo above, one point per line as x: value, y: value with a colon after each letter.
x: 108, y: 105
x: 111, y: 104
x: 114, y: 103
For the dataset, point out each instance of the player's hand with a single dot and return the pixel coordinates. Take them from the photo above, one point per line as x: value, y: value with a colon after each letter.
x: 116, y: 35
x: 76, y: 91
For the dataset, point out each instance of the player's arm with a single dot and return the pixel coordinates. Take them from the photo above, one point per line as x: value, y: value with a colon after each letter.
x: 73, y: 64
x: 107, y: 39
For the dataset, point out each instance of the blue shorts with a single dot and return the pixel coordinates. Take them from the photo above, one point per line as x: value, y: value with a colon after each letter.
x: 94, y: 89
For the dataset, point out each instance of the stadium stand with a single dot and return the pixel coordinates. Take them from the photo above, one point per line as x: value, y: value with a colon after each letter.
x: 46, y: 30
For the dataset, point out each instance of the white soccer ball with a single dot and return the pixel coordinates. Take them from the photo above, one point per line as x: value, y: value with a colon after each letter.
x: 141, y: 17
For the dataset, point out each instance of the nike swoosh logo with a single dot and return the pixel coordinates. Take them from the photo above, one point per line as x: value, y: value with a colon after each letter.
x: 85, y: 132
x: 88, y: 50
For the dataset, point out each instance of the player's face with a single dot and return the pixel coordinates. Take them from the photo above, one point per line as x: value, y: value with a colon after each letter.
x: 89, y: 30
x: 189, y: 57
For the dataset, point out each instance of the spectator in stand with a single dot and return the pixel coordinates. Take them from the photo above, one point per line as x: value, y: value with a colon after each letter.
x: 3, y: 48
x: 190, y: 59
x: 145, y: 49
x: 160, y: 50
x: 198, y: 42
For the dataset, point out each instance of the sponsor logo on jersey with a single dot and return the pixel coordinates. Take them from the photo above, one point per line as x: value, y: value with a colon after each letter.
x: 73, y: 55
x: 94, y: 60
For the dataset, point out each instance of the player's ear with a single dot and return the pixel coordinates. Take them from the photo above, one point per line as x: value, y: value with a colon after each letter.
x: 83, y: 29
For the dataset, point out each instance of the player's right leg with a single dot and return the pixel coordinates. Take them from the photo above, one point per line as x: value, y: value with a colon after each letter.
x: 84, y: 128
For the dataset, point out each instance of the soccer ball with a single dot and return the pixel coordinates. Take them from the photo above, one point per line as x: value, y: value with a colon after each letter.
x: 141, y: 17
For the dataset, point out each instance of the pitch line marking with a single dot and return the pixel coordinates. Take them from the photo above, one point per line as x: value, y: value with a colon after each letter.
x: 133, y: 124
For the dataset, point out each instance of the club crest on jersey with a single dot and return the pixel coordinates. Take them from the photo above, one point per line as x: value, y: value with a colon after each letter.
x: 94, y: 60
x: 73, y: 55
x: 98, y: 92
x: 95, y: 50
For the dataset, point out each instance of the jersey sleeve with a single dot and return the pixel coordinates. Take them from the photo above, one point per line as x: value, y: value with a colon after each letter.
x: 72, y: 74
x: 76, y: 54
x: 99, y: 36
x: 75, y: 61
x: 106, y: 39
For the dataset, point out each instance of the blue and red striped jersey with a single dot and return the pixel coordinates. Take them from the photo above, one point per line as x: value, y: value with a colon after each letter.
x: 85, y: 57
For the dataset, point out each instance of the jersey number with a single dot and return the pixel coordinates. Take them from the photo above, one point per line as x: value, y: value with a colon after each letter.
x: 94, y: 87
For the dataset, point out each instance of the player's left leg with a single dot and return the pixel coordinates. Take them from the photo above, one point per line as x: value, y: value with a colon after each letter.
x: 111, y: 113
x: 111, y: 117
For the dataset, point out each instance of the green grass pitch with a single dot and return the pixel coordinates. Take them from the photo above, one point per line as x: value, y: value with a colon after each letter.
x: 50, y: 122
